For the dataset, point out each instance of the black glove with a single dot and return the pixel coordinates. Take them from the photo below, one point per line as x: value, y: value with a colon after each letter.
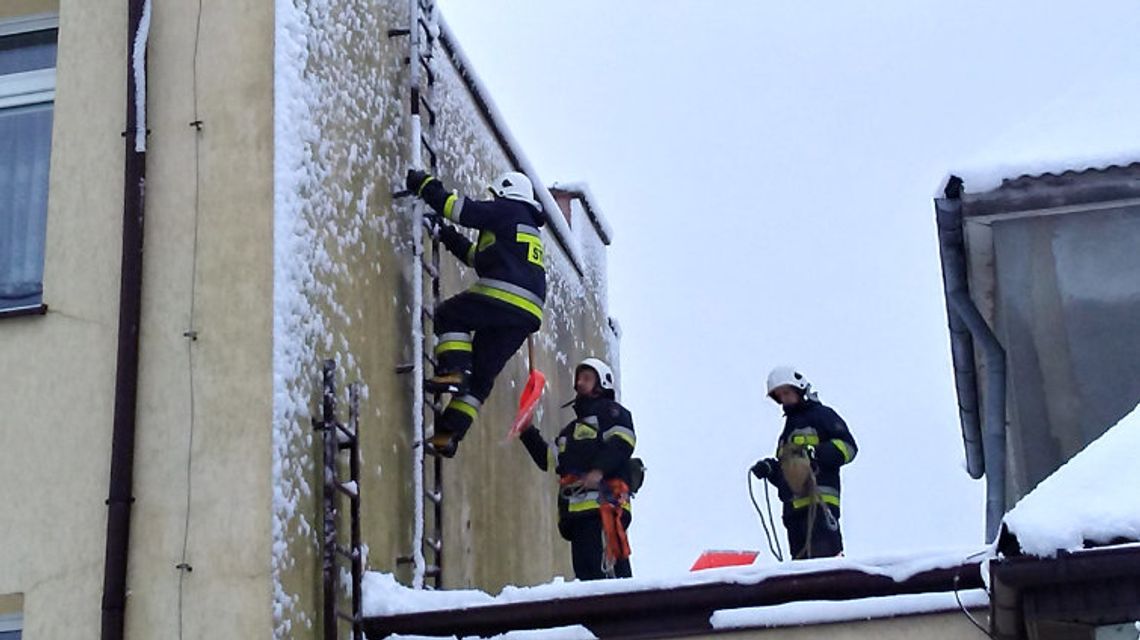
x: 764, y: 469
x: 433, y: 223
x: 415, y: 180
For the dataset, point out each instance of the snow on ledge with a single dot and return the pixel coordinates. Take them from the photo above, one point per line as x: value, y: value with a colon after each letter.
x: 1092, y: 497
x: 605, y: 231
x: 384, y: 596
x: 824, y: 611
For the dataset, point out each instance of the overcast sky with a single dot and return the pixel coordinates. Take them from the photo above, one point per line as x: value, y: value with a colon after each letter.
x: 768, y: 169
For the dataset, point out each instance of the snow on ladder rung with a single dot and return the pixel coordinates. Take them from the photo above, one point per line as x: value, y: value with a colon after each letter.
x: 349, y: 488
x: 431, y: 571
x: 427, y: 312
x: 435, y: 496
x: 435, y: 406
x: 430, y: 268
x: 435, y: 545
x: 346, y: 552
x: 343, y: 435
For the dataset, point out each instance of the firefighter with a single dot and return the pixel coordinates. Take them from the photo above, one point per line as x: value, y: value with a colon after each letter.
x: 814, y: 444
x: 478, y: 330
x: 592, y: 459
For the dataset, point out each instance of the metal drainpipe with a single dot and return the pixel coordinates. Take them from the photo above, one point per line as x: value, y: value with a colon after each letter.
x: 130, y: 303
x: 953, y: 255
x: 992, y: 445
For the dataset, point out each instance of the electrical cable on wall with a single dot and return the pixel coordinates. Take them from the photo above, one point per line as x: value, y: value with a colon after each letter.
x: 191, y: 333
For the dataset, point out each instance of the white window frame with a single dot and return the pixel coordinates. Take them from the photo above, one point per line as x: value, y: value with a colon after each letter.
x: 19, y: 90
x: 30, y: 87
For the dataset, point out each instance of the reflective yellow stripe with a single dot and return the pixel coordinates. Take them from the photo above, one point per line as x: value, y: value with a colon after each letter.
x: 470, y: 260
x: 579, y: 507
x: 800, y: 503
x: 509, y: 298
x: 584, y: 432
x: 464, y: 408
x: 452, y: 345
x: 621, y: 432
x: 534, y: 250
x: 843, y: 448
x: 486, y: 239
x: 551, y: 459
x: 449, y: 205
x: 424, y: 184
x: 803, y: 440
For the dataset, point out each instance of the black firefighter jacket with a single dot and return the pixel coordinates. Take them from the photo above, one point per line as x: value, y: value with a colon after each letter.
x: 813, y: 424
x: 600, y: 437
x: 507, y: 256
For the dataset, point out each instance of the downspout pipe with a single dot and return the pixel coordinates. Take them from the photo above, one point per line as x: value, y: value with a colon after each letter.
x: 952, y: 249
x: 130, y: 307
x: 963, y: 309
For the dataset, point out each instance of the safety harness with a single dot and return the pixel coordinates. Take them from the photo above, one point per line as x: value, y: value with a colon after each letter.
x: 611, y: 500
x: 796, y: 465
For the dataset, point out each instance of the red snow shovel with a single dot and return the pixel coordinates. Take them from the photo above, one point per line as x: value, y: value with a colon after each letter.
x: 716, y: 559
x: 532, y: 393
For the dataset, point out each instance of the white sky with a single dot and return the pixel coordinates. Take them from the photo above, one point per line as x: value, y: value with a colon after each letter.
x: 768, y: 169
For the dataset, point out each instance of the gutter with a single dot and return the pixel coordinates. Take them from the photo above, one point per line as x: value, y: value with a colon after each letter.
x: 1086, y: 587
x: 130, y: 307
x: 984, y: 442
x: 511, y: 148
x: 672, y: 612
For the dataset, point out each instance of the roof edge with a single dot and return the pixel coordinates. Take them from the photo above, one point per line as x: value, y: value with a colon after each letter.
x: 675, y: 611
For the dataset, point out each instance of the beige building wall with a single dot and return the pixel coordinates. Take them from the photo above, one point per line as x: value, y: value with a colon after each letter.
x: 59, y: 402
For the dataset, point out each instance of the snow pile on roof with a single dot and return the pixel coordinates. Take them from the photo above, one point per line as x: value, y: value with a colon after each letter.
x: 1090, y: 126
x: 821, y: 611
x: 1091, y: 497
x: 384, y: 596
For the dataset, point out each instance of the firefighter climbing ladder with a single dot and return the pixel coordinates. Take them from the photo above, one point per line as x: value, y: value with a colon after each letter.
x: 338, y: 439
x: 427, y: 478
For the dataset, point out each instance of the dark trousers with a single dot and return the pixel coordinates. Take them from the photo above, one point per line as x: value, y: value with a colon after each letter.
x: 498, y: 330
x: 826, y: 539
x: 586, y: 547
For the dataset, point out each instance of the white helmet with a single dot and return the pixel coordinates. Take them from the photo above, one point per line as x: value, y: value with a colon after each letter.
x: 788, y: 375
x: 513, y: 185
x: 605, y: 373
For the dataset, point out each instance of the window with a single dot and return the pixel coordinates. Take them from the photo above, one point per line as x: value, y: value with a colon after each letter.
x: 10, y: 626
x: 27, y: 92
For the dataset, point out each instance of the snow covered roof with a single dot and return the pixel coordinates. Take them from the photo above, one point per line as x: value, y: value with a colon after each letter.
x: 1091, y: 499
x: 755, y: 596
x: 1055, y: 190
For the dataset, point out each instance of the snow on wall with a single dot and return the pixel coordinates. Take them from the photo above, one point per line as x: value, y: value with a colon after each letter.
x: 1091, y: 497
x: 339, y: 149
x: 322, y: 220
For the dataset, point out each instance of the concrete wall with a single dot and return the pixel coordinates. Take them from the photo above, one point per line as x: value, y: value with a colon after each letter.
x: 59, y: 402
x: 1061, y: 288
x: 936, y: 626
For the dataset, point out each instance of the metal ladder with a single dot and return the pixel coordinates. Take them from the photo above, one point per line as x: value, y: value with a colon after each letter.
x: 427, y: 475
x: 337, y: 439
